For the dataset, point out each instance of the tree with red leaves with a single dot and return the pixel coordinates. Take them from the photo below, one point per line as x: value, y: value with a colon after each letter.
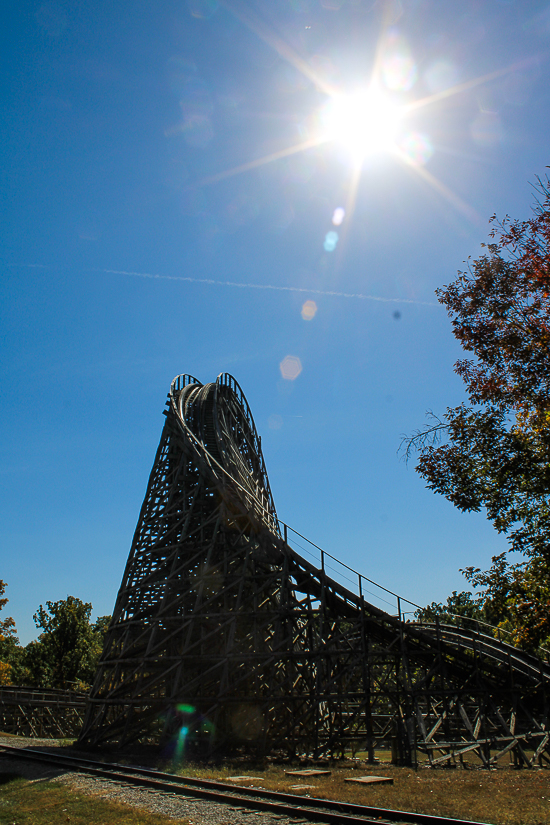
x: 494, y: 451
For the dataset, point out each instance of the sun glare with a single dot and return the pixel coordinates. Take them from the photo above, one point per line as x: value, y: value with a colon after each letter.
x: 363, y: 122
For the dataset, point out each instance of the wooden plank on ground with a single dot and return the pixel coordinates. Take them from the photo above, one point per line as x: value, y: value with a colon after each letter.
x: 309, y: 772
x: 370, y: 780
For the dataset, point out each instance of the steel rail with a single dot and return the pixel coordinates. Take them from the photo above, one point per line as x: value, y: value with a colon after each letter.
x: 274, y: 802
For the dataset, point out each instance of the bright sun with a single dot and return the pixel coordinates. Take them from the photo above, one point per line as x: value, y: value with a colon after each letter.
x: 363, y: 122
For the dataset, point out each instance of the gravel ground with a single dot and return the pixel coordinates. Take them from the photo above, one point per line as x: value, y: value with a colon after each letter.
x: 171, y: 805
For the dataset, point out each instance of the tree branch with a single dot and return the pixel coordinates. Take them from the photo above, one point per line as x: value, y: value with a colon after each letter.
x: 422, y: 438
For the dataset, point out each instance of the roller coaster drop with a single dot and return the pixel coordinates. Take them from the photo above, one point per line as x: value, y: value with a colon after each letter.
x: 223, y: 635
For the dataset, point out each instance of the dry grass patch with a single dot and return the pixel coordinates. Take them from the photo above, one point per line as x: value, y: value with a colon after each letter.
x: 24, y: 802
x: 499, y: 797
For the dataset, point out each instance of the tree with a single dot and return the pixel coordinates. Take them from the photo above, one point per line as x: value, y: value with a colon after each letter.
x: 461, y: 605
x: 8, y: 642
x: 66, y: 652
x: 516, y: 597
x: 494, y: 452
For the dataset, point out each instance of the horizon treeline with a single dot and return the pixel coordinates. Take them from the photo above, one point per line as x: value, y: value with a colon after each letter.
x: 66, y: 652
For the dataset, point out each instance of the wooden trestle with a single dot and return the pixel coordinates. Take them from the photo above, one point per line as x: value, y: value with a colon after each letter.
x: 41, y: 712
x: 224, y: 638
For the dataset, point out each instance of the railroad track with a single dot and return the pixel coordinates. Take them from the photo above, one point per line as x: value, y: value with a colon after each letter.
x: 273, y: 802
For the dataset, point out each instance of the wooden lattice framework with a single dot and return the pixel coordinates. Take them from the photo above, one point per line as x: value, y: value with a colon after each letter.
x: 223, y: 635
x: 41, y: 712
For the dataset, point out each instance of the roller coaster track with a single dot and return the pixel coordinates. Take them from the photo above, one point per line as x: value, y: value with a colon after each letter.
x: 223, y: 630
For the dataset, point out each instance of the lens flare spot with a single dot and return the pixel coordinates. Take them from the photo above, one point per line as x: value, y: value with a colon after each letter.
x: 338, y: 216
x: 399, y: 70
x: 301, y: 7
x: 206, y: 578
x: 203, y: 9
x: 185, y: 708
x: 197, y: 131
x: 180, y: 744
x: 240, y: 211
x: 275, y: 422
x: 196, y: 106
x: 418, y: 148
x: 180, y: 72
x: 323, y: 66
x: 283, y: 215
x: 193, y: 202
x: 247, y: 722
x: 289, y: 80
x: 309, y: 310
x: 290, y: 367
x: 441, y: 75
x: 486, y: 130
x: 331, y: 239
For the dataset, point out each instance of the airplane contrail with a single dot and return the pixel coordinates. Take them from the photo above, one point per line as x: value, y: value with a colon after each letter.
x: 236, y: 284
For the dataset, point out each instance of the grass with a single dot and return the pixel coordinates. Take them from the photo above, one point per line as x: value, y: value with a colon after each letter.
x: 500, y: 797
x: 51, y: 803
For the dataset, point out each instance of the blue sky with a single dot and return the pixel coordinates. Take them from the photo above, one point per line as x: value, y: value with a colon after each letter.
x: 193, y: 142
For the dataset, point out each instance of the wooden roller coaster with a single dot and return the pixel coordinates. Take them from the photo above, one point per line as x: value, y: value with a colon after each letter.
x: 224, y: 638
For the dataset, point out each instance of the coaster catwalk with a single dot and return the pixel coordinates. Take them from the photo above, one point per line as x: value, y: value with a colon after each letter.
x: 225, y: 639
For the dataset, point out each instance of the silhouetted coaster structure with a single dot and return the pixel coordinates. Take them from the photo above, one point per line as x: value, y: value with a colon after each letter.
x: 224, y: 639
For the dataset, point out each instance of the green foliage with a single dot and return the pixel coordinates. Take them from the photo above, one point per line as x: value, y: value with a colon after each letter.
x: 489, y: 463
x: 7, y: 625
x: 461, y: 605
x: 516, y: 597
x: 13, y: 655
x: 101, y: 626
x: 68, y: 644
x: 8, y: 642
x: 494, y: 452
x: 66, y: 653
